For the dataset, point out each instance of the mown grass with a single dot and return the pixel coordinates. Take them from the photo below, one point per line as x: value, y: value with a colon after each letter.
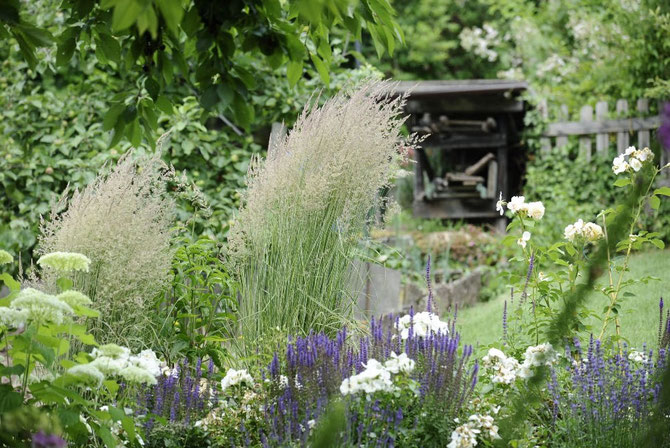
x: 481, y: 325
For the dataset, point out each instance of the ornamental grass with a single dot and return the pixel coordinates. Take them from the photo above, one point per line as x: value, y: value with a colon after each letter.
x: 122, y: 222
x: 305, y: 208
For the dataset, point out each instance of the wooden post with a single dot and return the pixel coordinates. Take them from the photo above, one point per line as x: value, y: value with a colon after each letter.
x: 602, y: 139
x: 643, y: 136
x: 563, y: 115
x: 585, y: 115
x: 545, y: 143
x: 622, y: 138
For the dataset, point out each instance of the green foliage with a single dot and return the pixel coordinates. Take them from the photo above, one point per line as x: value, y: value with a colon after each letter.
x: 574, y: 51
x: 574, y: 187
x: 39, y: 395
x: 164, y: 48
x: 197, y: 314
x: 433, y: 49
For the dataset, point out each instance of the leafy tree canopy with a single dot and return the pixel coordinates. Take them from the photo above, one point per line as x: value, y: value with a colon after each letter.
x: 164, y: 48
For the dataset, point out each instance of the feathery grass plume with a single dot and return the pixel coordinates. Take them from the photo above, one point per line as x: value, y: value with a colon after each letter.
x: 122, y: 222
x: 305, y: 207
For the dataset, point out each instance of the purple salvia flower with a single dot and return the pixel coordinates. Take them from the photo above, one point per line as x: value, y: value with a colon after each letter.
x: 43, y: 440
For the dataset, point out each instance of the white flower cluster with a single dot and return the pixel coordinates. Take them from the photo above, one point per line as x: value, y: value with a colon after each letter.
x: 377, y: 376
x: 37, y: 306
x: 480, y: 41
x: 234, y: 377
x: 636, y: 356
x: 635, y: 160
x: 535, y: 356
x: 65, y: 261
x: 505, y: 370
x: 423, y: 324
x: 114, y: 360
x: 465, y: 436
x: 583, y: 231
x: 518, y: 205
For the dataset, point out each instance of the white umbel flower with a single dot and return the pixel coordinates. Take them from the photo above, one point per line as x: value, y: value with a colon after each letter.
x: 65, y: 261
x: 516, y: 203
x: 87, y: 374
x: 41, y: 306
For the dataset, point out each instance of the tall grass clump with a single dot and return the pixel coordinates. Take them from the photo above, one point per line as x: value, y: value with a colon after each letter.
x: 122, y: 221
x: 305, y: 208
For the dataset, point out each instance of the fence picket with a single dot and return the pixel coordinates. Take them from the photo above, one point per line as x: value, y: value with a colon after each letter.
x: 643, y: 136
x: 622, y: 138
x: 585, y: 115
x: 545, y: 143
x: 602, y: 139
x: 563, y: 115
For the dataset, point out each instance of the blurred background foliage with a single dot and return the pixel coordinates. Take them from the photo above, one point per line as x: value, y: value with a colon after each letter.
x: 84, y: 80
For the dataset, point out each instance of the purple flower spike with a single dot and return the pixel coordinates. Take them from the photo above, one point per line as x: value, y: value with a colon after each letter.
x: 43, y: 440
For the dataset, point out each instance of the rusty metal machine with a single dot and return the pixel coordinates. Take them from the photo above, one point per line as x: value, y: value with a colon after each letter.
x: 473, y: 147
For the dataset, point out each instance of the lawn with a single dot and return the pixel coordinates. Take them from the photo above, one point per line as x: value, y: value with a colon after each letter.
x: 482, y: 325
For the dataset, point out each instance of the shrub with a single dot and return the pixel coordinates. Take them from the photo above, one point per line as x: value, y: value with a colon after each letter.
x: 403, y: 384
x: 123, y: 223
x: 304, y: 208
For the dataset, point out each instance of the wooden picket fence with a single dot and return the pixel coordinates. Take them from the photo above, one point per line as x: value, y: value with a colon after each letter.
x: 605, y: 126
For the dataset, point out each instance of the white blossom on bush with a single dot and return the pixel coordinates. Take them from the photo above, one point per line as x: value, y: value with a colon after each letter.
x: 525, y: 237
x: 636, y: 158
x: 518, y: 205
x: 504, y: 369
x: 636, y: 356
x: 234, y: 377
x: 374, y: 378
x: 422, y: 324
x: 580, y: 231
x: 399, y: 363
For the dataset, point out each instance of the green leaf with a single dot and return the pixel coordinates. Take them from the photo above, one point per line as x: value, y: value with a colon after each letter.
x: 110, y: 47
x: 321, y: 68
x: 12, y: 284
x: 164, y: 105
x: 665, y: 191
x: 658, y: 243
x: 66, y: 46
x: 294, y: 71
x: 244, y: 112
x: 655, y: 202
x: 112, y: 386
x: 112, y: 116
x: 135, y: 133
x: 9, y: 400
x: 125, y: 14
x: 622, y: 182
x: 209, y: 97
x: 172, y: 12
